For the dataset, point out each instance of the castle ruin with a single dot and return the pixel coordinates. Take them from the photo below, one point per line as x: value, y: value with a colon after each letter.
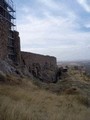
x: 40, y: 66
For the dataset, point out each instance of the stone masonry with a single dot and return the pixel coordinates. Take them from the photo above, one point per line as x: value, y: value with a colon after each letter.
x: 6, y: 46
x: 42, y: 67
x: 3, y: 39
x: 17, y: 47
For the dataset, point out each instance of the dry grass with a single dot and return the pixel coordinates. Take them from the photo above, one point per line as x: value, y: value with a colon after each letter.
x: 79, y: 75
x: 26, y: 101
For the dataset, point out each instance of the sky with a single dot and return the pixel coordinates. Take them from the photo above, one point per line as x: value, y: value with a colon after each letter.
x: 59, y: 28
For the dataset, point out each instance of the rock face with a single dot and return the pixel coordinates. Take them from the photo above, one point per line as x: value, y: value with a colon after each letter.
x: 6, y: 68
x: 11, y: 69
x: 42, y: 67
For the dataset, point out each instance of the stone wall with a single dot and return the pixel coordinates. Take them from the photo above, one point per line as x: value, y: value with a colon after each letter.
x: 3, y: 38
x: 17, y: 46
x: 4, y: 43
x: 42, y: 67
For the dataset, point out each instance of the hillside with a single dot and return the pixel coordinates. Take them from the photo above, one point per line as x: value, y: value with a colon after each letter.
x: 25, y: 99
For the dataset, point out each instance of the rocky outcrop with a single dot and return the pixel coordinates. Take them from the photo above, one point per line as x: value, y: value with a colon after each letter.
x: 6, y: 68
x: 11, y: 69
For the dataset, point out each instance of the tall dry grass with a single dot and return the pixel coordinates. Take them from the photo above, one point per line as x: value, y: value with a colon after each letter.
x: 27, y: 101
x: 80, y: 75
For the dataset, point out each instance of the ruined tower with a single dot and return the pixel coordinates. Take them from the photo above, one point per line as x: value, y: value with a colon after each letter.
x: 9, y: 37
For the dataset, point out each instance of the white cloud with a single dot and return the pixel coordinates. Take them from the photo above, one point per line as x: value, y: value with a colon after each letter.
x: 84, y: 4
x: 53, y: 35
x: 50, y: 4
x: 87, y: 25
x: 25, y: 9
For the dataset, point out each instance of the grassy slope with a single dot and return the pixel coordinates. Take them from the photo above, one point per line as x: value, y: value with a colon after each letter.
x: 27, y: 100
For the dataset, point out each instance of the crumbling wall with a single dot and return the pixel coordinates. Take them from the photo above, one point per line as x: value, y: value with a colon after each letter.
x: 42, y: 67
